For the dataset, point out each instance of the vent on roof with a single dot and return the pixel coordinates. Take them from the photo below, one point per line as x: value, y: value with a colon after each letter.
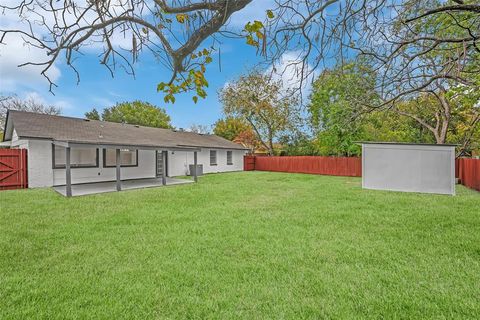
x: 137, y: 126
x: 86, y: 119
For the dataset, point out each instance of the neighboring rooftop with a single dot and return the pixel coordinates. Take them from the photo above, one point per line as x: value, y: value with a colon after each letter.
x: 76, y: 130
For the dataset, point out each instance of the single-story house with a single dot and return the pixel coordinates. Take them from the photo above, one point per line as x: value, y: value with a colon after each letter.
x: 65, y: 151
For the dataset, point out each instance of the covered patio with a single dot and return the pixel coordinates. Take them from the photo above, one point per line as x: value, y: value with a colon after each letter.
x: 78, y: 189
x: 111, y: 186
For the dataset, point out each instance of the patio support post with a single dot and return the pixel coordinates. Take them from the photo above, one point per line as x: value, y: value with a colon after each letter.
x: 195, y: 166
x: 68, y: 173
x: 119, y: 182
x: 164, y: 167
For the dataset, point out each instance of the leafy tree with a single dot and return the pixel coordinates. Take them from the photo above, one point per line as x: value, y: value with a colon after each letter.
x: 249, y: 140
x: 135, y: 112
x: 263, y: 103
x: 183, y: 35
x: 230, y: 127
x: 299, y: 144
x: 465, y: 124
x: 92, y: 115
x: 439, y: 114
x: 387, y: 125
x: 336, y: 109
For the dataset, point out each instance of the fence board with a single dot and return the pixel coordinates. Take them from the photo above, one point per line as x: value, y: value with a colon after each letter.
x: 13, y: 169
x: 334, y: 166
x: 466, y: 170
x: 249, y: 163
x: 469, y: 172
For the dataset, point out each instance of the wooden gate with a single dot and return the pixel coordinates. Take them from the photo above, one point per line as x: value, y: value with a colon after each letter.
x: 13, y: 169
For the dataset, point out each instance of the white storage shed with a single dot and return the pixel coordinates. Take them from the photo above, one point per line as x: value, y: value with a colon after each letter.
x: 428, y: 168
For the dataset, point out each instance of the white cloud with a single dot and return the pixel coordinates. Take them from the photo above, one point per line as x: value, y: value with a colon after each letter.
x: 12, y: 76
x: 14, y: 52
x: 255, y: 10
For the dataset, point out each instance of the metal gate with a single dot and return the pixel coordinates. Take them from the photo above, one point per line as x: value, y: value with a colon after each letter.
x: 13, y: 169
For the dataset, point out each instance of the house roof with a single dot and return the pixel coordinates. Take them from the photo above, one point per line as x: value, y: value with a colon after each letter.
x: 76, y: 130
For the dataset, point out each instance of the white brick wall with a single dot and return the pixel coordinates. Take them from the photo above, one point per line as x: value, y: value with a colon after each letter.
x: 145, y: 169
x: 40, y: 173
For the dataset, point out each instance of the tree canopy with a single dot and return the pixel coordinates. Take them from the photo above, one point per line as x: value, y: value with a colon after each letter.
x: 337, y: 107
x: 263, y: 103
x: 339, y: 113
x: 184, y: 35
x: 135, y: 112
x: 230, y: 127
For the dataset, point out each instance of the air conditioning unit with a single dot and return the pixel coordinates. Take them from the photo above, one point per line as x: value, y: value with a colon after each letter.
x: 199, y: 169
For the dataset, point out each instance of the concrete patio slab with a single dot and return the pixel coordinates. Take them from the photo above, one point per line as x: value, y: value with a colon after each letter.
x: 102, y: 187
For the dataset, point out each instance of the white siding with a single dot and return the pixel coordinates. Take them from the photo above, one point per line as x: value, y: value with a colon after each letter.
x: 14, y: 136
x: 179, y: 161
x: 39, y: 158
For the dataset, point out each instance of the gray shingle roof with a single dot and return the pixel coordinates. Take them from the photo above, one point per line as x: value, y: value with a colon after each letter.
x: 68, y: 129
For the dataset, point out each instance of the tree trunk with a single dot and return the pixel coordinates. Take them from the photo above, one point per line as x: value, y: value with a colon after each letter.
x: 445, y: 118
x: 270, y: 146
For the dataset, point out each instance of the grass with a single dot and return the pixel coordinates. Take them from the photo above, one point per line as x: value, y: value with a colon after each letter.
x: 241, y: 245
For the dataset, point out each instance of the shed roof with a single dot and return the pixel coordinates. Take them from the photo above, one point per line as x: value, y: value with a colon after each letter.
x: 76, y: 130
x: 406, y: 143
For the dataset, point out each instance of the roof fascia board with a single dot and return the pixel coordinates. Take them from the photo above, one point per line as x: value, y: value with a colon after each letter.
x: 122, y: 146
x: 406, y: 143
x: 5, y: 128
x: 228, y: 148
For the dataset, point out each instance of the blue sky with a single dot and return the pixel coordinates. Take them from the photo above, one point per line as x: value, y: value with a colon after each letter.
x: 98, y: 89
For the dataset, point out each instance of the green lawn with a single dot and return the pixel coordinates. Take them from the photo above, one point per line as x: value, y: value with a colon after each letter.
x: 241, y: 245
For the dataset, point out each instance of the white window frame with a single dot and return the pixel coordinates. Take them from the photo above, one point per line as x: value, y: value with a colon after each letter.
x: 229, y: 159
x: 214, y: 154
x: 121, y: 165
x: 72, y: 164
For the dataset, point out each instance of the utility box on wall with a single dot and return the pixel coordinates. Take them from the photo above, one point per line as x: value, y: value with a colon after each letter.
x: 407, y: 167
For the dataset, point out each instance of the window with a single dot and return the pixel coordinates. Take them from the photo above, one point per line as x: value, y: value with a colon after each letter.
x: 213, y: 157
x: 229, y: 157
x: 79, y: 157
x: 128, y: 158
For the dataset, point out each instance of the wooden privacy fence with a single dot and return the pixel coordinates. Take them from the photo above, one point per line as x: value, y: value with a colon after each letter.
x: 13, y: 169
x: 468, y: 172
x: 334, y: 166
